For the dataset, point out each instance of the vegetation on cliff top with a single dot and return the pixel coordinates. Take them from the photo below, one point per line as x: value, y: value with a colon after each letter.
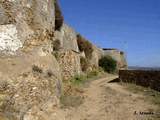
x: 84, y: 45
x: 56, y: 45
x: 58, y: 16
x: 84, y: 64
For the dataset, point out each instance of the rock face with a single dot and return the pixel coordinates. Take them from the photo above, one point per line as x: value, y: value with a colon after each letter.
x: 70, y: 64
x: 29, y: 80
x: 119, y: 56
x: 25, y: 22
x: 30, y: 76
x: 67, y: 37
x: 9, y: 39
x: 69, y: 56
x: 96, y: 55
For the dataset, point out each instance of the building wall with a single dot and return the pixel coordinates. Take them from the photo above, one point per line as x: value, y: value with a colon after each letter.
x: 119, y: 56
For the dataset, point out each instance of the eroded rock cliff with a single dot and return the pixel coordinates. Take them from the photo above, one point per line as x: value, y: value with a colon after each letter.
x: 30, y: 76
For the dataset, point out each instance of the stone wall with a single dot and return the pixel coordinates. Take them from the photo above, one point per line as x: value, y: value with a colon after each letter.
x: 96, y: 55
x: 144, y: 78
x: 70, y: 63
x: 67, y: 37
x: 69, y: 56
x: 119, y: 56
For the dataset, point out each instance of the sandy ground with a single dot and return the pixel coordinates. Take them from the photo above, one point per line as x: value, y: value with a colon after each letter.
x: 110, y: 101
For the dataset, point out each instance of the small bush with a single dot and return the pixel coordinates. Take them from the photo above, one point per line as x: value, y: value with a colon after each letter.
x: 84, y: 45
x: 56, y: 54
x: 56, y: 45
x: 92, y: 74
x: 108, y: 64
x: 58, y: 17
x: 84, y: 64
x: 3, y: 85
x: 78, y: 79
x: 49, y: 73
x: 36, y: 69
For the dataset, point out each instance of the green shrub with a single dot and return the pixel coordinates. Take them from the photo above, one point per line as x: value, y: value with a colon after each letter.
x: 56, y: 45
x: 36, y: 69
x: 84, y: 64
x: 3, y: 85
x: 84, y: 45
x: 58, y: 17
x: 108, y: 64
x: 49, y: 73
x: 78, y: 79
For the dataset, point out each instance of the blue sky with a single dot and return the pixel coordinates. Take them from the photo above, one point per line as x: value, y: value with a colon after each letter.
x: 129, y: 25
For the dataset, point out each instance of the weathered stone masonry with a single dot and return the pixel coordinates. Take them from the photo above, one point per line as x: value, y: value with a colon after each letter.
x: 27, y: 31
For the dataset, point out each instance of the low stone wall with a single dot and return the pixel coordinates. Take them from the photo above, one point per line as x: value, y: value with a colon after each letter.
x: 144, y: 78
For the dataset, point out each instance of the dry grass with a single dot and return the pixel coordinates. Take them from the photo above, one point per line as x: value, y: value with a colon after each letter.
x: 36, y: 69
x: 150, y: 95
x: 71, y: 101
x: 74, y: 88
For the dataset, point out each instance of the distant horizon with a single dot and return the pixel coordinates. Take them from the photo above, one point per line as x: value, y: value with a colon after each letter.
x: 145, y: 66
x: 130, y: 26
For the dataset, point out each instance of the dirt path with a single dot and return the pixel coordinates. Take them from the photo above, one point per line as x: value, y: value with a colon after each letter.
x: 109, y: 101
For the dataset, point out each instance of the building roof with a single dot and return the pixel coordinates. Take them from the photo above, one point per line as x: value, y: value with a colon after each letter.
x: 109, y: 49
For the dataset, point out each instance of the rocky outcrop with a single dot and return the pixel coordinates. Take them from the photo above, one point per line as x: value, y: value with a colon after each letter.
x: 25, y: 22
x: 68, y: 54
x: 119, y: 56
x: 27, y: 81
x: 30, y: 76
